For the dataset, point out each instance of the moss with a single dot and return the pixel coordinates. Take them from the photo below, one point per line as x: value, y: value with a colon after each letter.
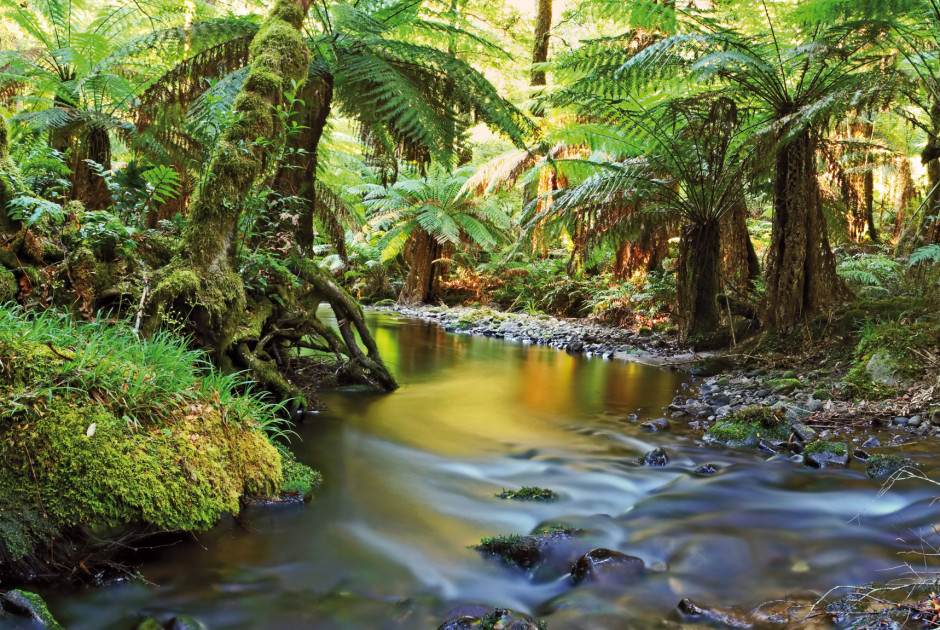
x: 788, y: 374
x: 881, y: 466
x: 9, y: 287
x: 299, y: 480
x: 529, y: 493
x: 525, y: 552
x: 822, y: 394
x: 898, y: 344
x: 783, y: 384
x: 33, y: 605
x: 838, y: 449
x: 747, y: 427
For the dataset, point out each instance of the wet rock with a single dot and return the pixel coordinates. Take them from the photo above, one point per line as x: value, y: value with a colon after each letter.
x: 774, y: 615
x: 899, y: 421
x: 826, y: 454
x: 720, y: 400
x: 148, y: 623
x: 871, y: 442
x: 914, y: 421
x: 882, y: 466
x: 574, y: 347
x: 656, y: 457
x: 727, y: 617
x: 860, y: 455
x: 26, y: 604
x: 497, y: 618
x: 935, y: 418
x: 604, y: 565
x: 706, y: 470
x: 524, y: 552
x: 767, y: 446
x: 803, y: 433
x: 657, y: 425
x: 185, y: 622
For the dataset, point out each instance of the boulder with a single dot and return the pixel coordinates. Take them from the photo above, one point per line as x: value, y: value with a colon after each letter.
x: 656, y: 457
x: 26, y: 604
x: 826, y: 454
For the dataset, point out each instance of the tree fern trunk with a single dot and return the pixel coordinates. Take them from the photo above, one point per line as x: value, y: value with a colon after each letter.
x: 543, y: 28
x: 297, y: 175
x: 697, y: 278
x: 422, y: 284
x: 739, y: 262
x: 801, y: 269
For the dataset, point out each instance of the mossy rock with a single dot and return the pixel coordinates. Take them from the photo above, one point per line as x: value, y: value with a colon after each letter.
x: 886, y: 359
x: 881, y: 466
x: 822, y: 394
x: 826, y: 454
x: 26, y: 604
x: 747, y: 427
x: 525, y: 552
x: 9, y: 287
x: 783, y: 385
x: 529, y: 493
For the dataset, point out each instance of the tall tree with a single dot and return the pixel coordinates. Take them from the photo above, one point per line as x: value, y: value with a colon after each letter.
x: 540, y: 41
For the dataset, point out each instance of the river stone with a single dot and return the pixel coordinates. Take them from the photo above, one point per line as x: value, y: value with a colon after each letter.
x: 825, y: 454
x: 657, y: 425
x: 882, y: 368
x: 935, y: 418
x: 899, y: 421
x: 604, y: 565
x: 804, y: 433
x: 185, y: 622
x: 575, y: 347
x: 774, y: 615
x: 871, y: 442
x: 914, y: 421
x: 26, y: 604
x: 881, y: 466
x: 656, y: 457
x: 726, y: 617
x: 148, y: 623
x: 498, y: 618
x: 706, y: 470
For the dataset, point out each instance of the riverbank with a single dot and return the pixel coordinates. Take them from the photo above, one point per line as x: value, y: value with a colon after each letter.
x: 841, y: 388
x: 107, y: 440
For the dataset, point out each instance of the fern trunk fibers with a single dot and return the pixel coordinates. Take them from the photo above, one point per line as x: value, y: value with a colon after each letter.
x: 543, y: 27
x: 422, y: 284
x: 801, y: 269
x: 739, y: 263
x: 298, y: 172
x: 87, y: 186
x: 904, y: 193
x: 929, y: 229
x: 862, y: 201
x: 7, y: 225
x: 697, y: 279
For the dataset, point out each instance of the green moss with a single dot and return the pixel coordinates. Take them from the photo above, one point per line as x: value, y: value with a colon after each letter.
x: 9, y: 287
x: 747, y: 427
x: 783, y: 384
x: 822, y: 394
x: 788, y: 374
x: 839, y: 449
x: 525, y: 552
x: 898, y: 344
x: 36, y: 607
x: 299, y: 480
x: 529, y: 493
x: 881, y: 466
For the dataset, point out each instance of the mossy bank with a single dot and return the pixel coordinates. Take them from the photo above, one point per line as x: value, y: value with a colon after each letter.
x: 104, y: 438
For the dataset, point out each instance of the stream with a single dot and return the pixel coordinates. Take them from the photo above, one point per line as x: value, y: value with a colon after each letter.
x: 410, y: 479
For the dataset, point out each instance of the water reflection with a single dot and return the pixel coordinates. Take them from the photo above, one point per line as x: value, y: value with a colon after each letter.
x: 410, y: 483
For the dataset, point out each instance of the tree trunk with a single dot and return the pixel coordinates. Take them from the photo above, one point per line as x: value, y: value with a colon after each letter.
x: 422, y: 284
x: 904, y: 193
x: 87, y: 186
x: 862, y: 198
x: 203, y: 278
x: 801, y: 269
x: 543, y: 28
x: 697, y: 275
x: 739, y: 263
x: 297, y: 175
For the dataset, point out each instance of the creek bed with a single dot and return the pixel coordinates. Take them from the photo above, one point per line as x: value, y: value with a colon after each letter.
x: 411, y: 479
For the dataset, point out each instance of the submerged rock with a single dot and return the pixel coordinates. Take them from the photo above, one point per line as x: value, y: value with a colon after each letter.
x: 185, y: 622
x: 727, y: 617
x: 655, y: 457
x: 605, y: 565
x: 706, y: 470
x: 525, y: 552
x: 657, y: 425
x: 882, y: 466
x: 497, y: 618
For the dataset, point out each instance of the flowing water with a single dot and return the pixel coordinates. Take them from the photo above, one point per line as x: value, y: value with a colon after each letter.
x: 410, y: 479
